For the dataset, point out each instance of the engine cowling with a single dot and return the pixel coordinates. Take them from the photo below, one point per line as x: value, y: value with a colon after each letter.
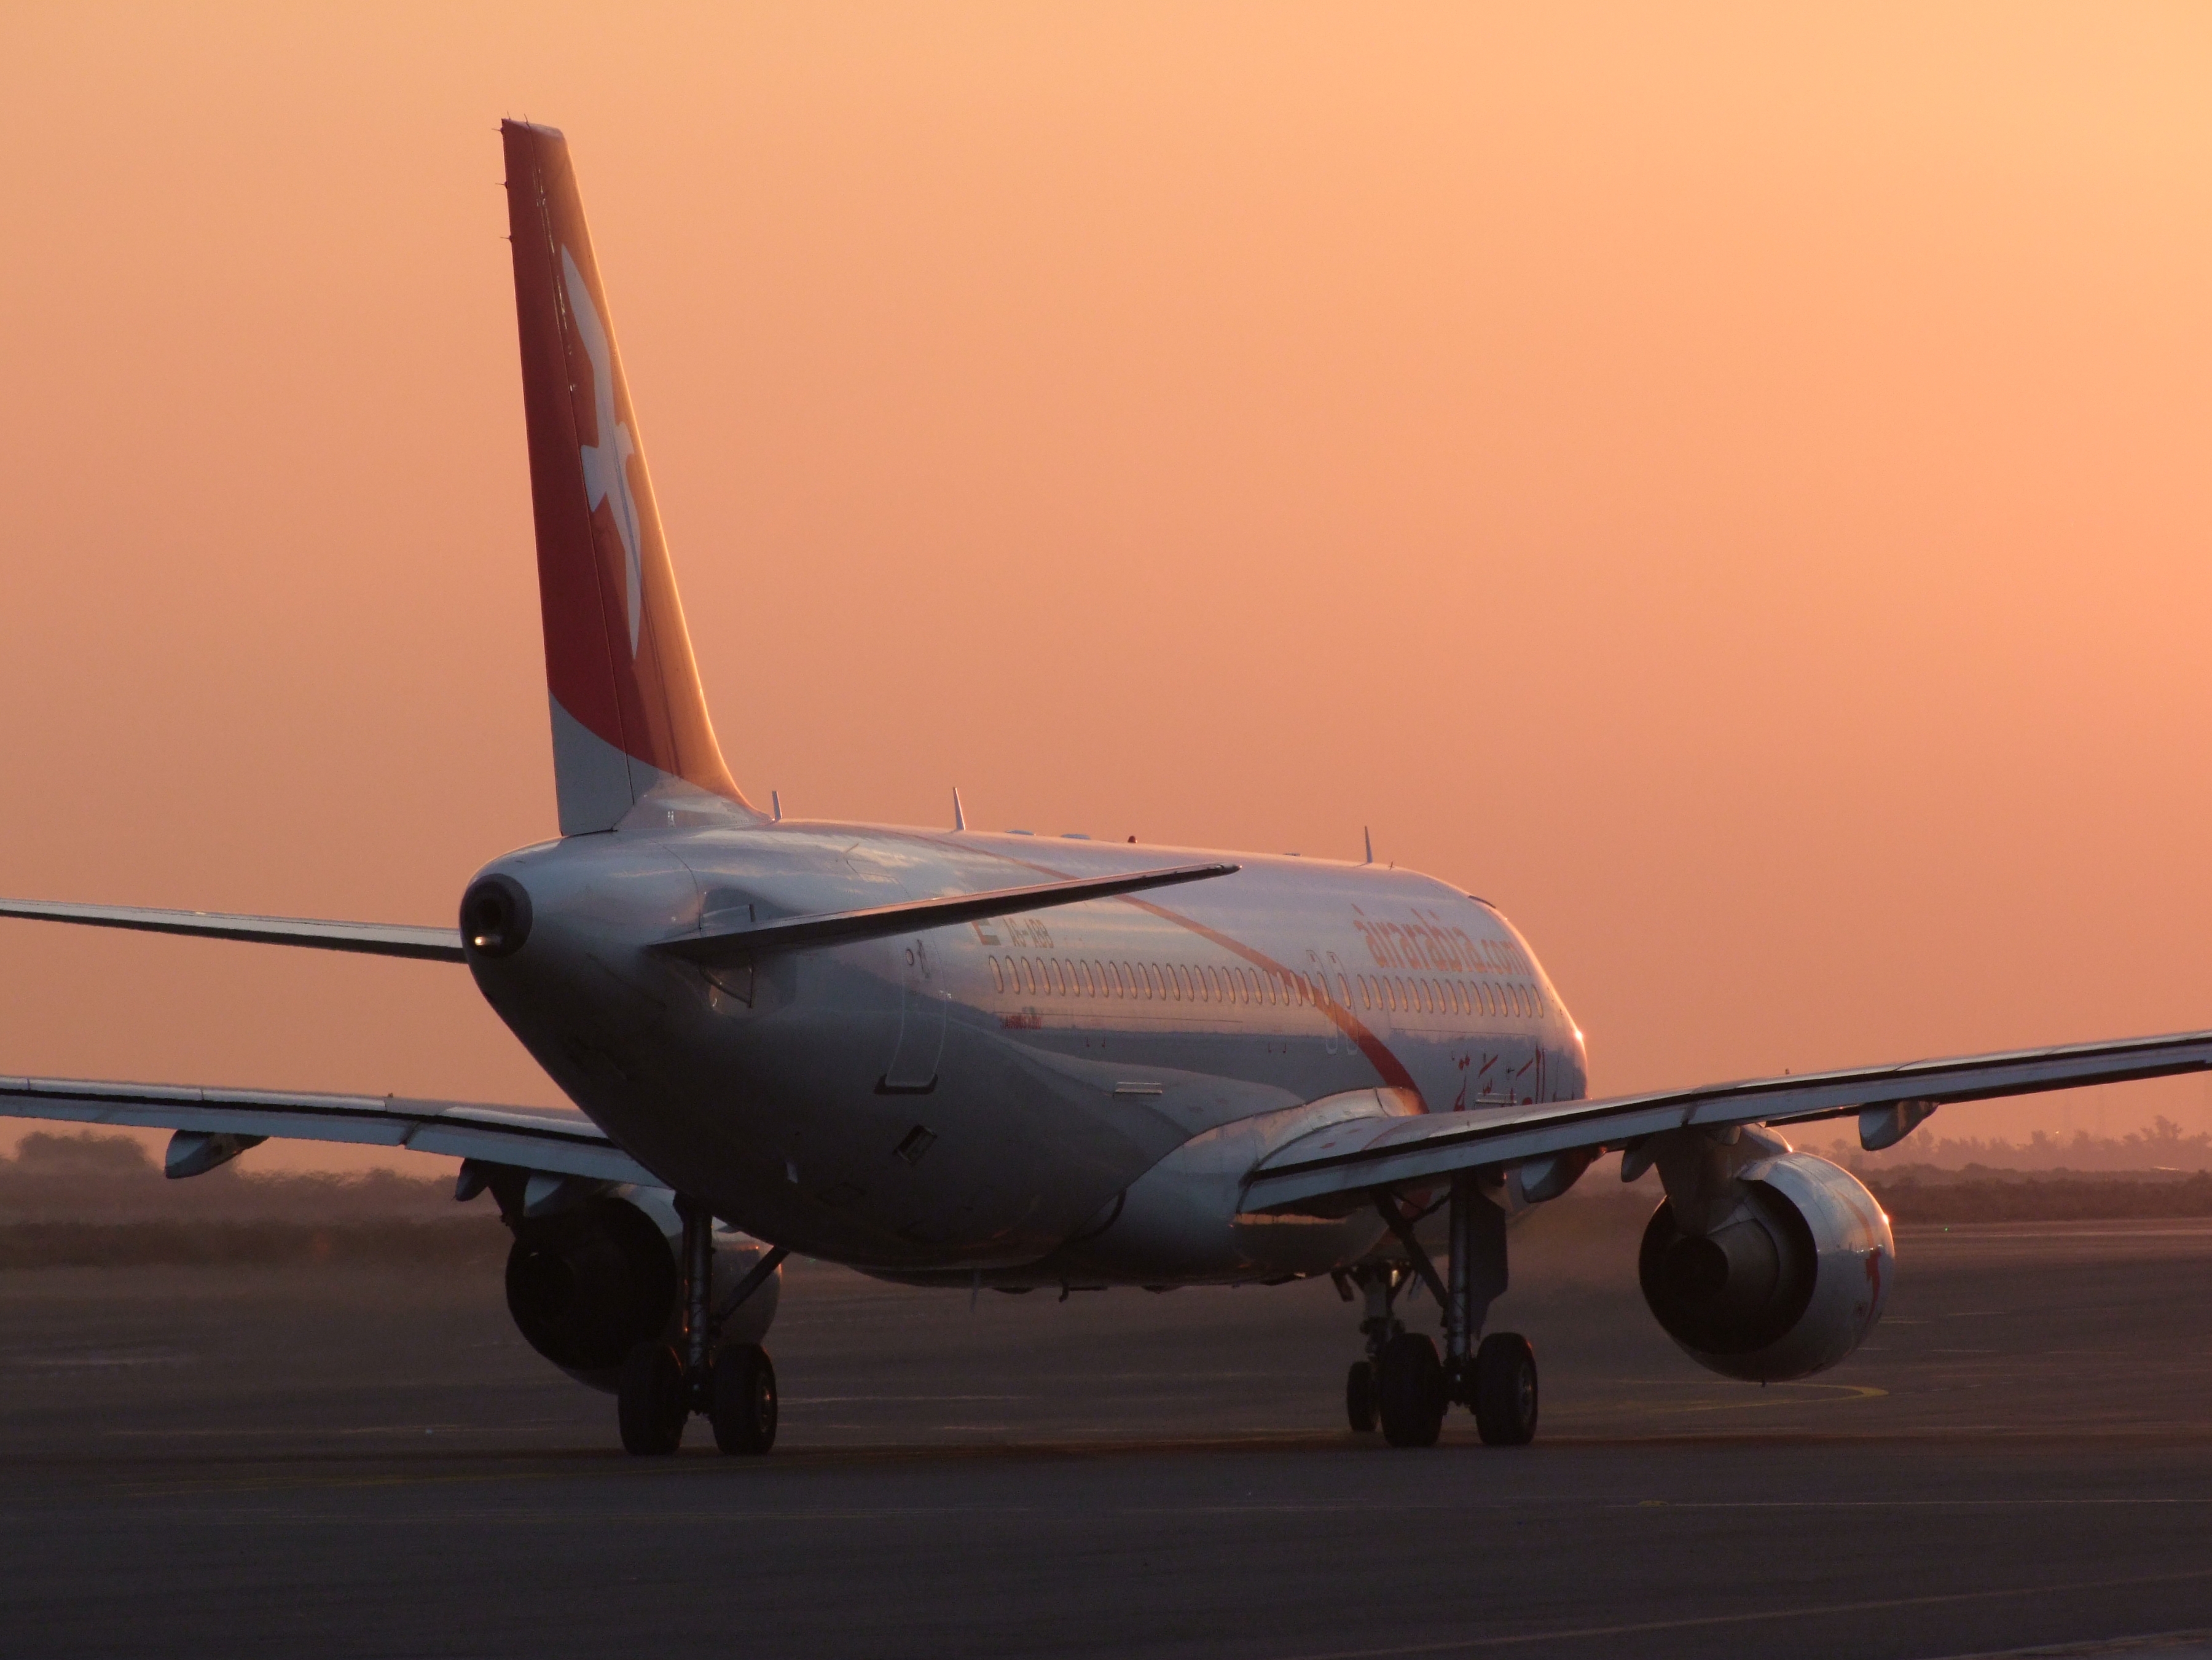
x: 590, y: 1282
x: 1790, y: 1281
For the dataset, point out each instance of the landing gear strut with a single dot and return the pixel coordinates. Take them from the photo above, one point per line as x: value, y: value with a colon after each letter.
x: 662, y: 1384
x: 1404, y: 1384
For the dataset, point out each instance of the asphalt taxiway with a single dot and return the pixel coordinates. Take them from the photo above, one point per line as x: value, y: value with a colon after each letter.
x: 354, y: 1461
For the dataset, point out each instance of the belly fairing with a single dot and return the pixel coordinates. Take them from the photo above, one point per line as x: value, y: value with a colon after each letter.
x: 1182, y: 1222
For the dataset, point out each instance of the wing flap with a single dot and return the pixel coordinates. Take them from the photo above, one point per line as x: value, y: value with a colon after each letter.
x: 1403, y: 1149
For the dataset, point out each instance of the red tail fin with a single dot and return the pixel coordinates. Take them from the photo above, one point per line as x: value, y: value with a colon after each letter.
x: 628, y: 717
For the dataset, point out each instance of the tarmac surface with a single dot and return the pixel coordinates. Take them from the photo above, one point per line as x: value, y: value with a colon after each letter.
x: 362, y: 1460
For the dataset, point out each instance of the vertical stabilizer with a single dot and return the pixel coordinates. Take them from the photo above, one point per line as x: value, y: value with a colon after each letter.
x: 629, y: 716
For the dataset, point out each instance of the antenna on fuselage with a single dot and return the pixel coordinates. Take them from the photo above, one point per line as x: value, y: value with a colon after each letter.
x: 1363, y: 830
x: 959, y: 815
x: 775, y: 804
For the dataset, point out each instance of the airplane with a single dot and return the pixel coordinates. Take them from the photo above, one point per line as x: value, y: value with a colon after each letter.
x: 962, y: 1059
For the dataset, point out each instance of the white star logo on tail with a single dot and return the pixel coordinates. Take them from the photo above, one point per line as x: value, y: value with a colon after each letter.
x: 606, y: 464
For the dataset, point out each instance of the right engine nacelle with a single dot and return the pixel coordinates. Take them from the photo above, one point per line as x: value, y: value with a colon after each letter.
x: 588, y: 1284
x: 1789, y: 1283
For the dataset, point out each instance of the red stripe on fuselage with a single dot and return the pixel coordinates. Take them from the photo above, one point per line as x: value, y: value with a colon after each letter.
x: 1392, y: 1069
x: 1388, y: 1066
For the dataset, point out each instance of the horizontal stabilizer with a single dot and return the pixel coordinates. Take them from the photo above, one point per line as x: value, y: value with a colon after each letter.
x: 1389, y: 1151
x: 843, y: 927
x: 532, y: 1138
x: 375, y: 939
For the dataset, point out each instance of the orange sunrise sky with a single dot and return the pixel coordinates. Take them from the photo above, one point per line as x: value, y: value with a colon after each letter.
x: 1728, y: 483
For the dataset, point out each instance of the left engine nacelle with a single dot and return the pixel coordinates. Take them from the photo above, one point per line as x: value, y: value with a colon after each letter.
x: 588, y: 1284
x: 1790, y: 1281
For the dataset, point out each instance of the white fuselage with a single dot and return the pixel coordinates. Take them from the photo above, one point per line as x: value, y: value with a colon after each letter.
x: 1072, y: 1096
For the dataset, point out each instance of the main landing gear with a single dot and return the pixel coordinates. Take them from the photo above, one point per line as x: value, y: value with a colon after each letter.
x: 662, y: 1384
x: 1404, y: 1384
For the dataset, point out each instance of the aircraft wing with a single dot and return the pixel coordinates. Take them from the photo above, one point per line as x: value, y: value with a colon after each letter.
x: 375, y: 939
x: 1381, y: 1153
x: 532, y: 1138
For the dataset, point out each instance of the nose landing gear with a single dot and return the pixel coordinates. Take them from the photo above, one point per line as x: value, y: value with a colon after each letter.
x: 1404, y: 1385
x: 662, y: 1384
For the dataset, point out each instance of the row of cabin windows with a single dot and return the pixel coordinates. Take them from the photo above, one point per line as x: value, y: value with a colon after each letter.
x: 1412, y: 995
x: 1175, y: 982
x: 1166, y: 982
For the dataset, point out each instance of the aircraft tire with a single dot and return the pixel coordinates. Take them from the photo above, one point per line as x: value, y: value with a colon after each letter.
x: 649, y: 1401
x: 1505, y: 1390
x: 743, y: 1411
x: 1359, y: 1397
x: 1409, y: 1391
